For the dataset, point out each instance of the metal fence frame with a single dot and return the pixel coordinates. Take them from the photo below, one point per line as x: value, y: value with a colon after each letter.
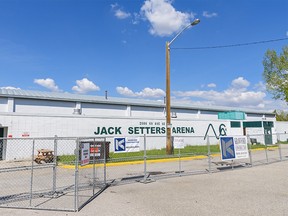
x: 50, y: 174
x: 86, y: 183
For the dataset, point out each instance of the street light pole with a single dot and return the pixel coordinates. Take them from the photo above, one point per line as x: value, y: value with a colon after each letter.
x: 168, y: 97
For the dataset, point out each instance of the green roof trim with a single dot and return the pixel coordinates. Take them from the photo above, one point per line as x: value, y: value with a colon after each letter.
x: 232, y: 115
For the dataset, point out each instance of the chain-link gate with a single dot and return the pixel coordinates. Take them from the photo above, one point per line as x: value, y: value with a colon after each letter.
x: 47, y: 174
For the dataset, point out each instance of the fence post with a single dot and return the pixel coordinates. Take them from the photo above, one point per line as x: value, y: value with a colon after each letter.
x: 145, y: 157
x: 250, y: 150
x: 105, y: 173
x: 32, y: 170
x: 279, y: 146
x: 94, y: 170
x: 76, y: 201
x: 209, y: 154
x: 146, y: 178
x: 266, y: 151
x: 54, y: 165
x: 179, y: 155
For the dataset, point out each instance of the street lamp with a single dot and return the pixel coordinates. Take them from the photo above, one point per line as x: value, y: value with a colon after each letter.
x: 168, y: 100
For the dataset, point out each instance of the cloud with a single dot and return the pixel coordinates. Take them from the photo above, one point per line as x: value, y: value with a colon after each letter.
x: 240, y: 83
x: 235, y: 96
x: 9, y: 88
x: 119, y: 13
x: 145, y: 93
x: 83, y: 86
x: 228, y: 97
x: 260, y: 86
x: 125, y: 91
x: 211, y: 85
x: 47, y: 83
x: 209, y: 15
x: 163, y: 17
x: 136, y: 18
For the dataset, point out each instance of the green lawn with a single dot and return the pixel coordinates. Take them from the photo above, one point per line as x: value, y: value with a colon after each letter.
x: 151, y: 154
x: 157, y: 153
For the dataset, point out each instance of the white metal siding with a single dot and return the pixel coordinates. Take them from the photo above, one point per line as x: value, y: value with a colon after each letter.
x: 3, y: 104
x: 103, y: 109
x: 137, y: 111
x: 43, y: 106
x: 186, y: 114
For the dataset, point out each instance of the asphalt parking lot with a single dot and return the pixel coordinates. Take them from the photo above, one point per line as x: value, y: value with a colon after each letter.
x: 260, y: 190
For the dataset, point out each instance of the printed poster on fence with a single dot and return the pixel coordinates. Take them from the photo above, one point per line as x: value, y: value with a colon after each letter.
x: 85, y: 153
x: 132, y: 144
x: 126, y: 144
x: 233, y: 147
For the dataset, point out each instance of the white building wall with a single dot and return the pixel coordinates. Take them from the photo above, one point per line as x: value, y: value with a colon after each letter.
x: 211, y: 115
x: 282, y: 129
x: 185, y: 113
x: 75, y: 126
x: 103, y: 109
x: 147, y: 112
x: 43, y: 106
x: 3, y: 104
x: 47, y: 118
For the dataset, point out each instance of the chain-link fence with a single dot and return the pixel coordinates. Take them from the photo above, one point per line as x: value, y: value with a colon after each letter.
x: 46, y: 173
x: 67, y: 173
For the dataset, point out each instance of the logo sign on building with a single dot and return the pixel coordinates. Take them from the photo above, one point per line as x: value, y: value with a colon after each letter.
x: 119, y: 145
x: 178, y: 142
x: 233, y: 147
x: 85, y: 153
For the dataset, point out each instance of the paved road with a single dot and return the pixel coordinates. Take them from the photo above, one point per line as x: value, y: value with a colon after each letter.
x: 261, y: 190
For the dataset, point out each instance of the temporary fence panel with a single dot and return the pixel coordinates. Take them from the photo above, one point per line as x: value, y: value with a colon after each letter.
x: 126, y: 159
x: 50, y: 177
x: 66, y: 173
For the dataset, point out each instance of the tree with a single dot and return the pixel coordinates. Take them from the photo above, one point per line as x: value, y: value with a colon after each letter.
x: 276, y: 73
x: 281, y: 115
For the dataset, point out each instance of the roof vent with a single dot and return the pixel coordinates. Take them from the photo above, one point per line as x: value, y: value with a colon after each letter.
x: 77, y: 112
x: 173, y: 115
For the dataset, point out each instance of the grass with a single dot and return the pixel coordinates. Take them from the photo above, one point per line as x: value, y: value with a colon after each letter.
x: 156, y: 153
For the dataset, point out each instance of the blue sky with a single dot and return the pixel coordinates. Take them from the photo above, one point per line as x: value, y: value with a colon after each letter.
x: 93, y: 46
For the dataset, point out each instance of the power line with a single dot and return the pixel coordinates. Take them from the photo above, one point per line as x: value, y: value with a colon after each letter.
x: 230, y: 45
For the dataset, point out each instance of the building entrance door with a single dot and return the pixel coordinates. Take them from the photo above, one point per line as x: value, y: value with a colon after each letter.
x: 268, y: 135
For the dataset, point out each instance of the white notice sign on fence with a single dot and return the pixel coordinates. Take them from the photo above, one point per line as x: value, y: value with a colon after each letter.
x: 85, y: 153
x: 178, y: 142
x: 132, y: 144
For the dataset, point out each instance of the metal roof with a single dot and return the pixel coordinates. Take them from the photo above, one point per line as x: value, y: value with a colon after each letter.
x: 60, y: 96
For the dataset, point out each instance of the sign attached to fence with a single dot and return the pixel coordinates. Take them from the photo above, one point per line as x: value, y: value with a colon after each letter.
x: 178, y: 142
x: 233, y: 148
x: 85, y: 153
x: 119, y: 144
x: 95, y: 150
x: 132, y: 144
x: 126, y: 144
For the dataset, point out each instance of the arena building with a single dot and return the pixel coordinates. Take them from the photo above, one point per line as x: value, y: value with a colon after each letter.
x: 46, y: 114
